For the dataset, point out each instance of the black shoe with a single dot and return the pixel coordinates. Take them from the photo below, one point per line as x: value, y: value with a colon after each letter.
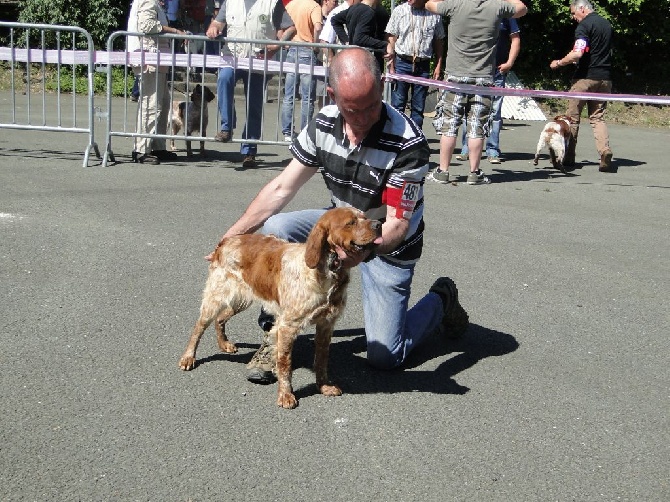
x: 249, y: 161
x: 455, y: 319
x: 164, y: 155
x: 145, y: 159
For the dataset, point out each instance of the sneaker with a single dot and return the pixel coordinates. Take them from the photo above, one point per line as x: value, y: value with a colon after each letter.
x: 438, y: 176
x: 288, y: 138
x: 478, y: 178
x: 463, y: 156
x: 134, y: 98
x: 263, y: 365
x: 455, y: 320
x: 605, y: 161
x: 222, y: 136
x: 249, y: 161
x: 494, y: 159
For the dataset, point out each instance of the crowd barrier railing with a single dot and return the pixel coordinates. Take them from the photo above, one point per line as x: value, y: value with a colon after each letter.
x: 194, y: 57
x: 44, y: 59
x: 37, y: 72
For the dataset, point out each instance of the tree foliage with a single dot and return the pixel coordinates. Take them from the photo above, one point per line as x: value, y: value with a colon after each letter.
x: 98, y: 17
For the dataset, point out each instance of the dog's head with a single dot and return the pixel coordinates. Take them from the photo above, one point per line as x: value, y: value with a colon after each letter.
x: 200, y: 92
x: 562, y: 118
x: 343, y: 227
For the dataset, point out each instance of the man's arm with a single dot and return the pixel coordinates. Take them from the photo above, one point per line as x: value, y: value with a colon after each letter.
x: 365, y: 33
x: 520, y: 8
x: 272, y: 198
x: 215, y: 28
x: 390, y: 51
x: 438, y: 49
x: 514, y: 49
x: 571, y: 57
x: 580, y: 46
x: 394, y: 231
x: 337, y: 22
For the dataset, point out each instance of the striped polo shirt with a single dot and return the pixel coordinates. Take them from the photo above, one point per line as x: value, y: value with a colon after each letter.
x: 394, y: 155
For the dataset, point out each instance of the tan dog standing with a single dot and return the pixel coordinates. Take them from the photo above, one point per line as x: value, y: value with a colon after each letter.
x: 300, y: 284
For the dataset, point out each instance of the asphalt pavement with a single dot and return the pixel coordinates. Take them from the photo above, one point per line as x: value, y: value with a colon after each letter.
x: 559, y: 391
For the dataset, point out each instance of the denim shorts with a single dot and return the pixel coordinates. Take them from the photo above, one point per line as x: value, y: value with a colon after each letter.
x: 453, y: 107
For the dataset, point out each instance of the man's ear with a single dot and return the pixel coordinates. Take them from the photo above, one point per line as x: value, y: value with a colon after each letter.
x: 331, y: 93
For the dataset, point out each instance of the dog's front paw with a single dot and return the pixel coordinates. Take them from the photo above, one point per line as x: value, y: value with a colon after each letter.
x: 187, y: 363
x: 228, y: 347
x: 330, y: 390
x: 287, y: 400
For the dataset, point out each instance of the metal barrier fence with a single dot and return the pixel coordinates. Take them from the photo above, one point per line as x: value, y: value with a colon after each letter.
x: 193, y: 58
x: 36, y: 71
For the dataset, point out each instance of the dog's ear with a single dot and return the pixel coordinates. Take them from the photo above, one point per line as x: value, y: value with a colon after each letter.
x: 316, y: 243
x: 197, y: 91
x: 182, y: 106
x: 209, y: 95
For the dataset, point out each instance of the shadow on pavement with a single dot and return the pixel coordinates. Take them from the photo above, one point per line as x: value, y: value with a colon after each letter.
x: 348, y: 367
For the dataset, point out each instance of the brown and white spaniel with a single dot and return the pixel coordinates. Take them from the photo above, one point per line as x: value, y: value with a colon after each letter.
x: 555, y: 136
x: 191, y: 114
x: 300, y: 284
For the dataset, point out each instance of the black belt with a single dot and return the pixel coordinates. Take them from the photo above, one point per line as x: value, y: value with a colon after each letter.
x: 411, y: 59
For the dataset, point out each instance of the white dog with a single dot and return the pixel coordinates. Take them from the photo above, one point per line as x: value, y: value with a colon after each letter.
x: 555, y: 136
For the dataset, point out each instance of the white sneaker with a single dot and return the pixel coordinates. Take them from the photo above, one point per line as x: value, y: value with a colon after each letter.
x: 438, y: 176
x: 478, y: 178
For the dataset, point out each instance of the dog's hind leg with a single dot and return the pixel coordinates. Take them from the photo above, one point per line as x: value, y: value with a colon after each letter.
x: 324, y: 333
x: 224, y: 344
x: 540, y: 145
x: 209, y: 310
x: 552, y: 154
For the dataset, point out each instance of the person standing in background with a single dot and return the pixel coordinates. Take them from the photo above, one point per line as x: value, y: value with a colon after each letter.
x: 507, y: 50
x: 328, y: 35
x: 592, y: 53
x: 472, y: 37
x: 365, y: 23
x: 261, y: 20
x: 147, y: 17
x: 414, y: 35
x: 308, y: 21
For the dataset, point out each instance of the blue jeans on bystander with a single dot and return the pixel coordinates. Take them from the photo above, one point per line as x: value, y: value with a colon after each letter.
x: 253, y: 92
x: 419, y: 92
x: 304, y: 56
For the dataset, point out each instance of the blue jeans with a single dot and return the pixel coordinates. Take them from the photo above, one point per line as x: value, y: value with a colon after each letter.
x: 391, y: 329
x: 493, y: 140
x: 306, y: 56
x: 253, y: 93
x: 419, y: 92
